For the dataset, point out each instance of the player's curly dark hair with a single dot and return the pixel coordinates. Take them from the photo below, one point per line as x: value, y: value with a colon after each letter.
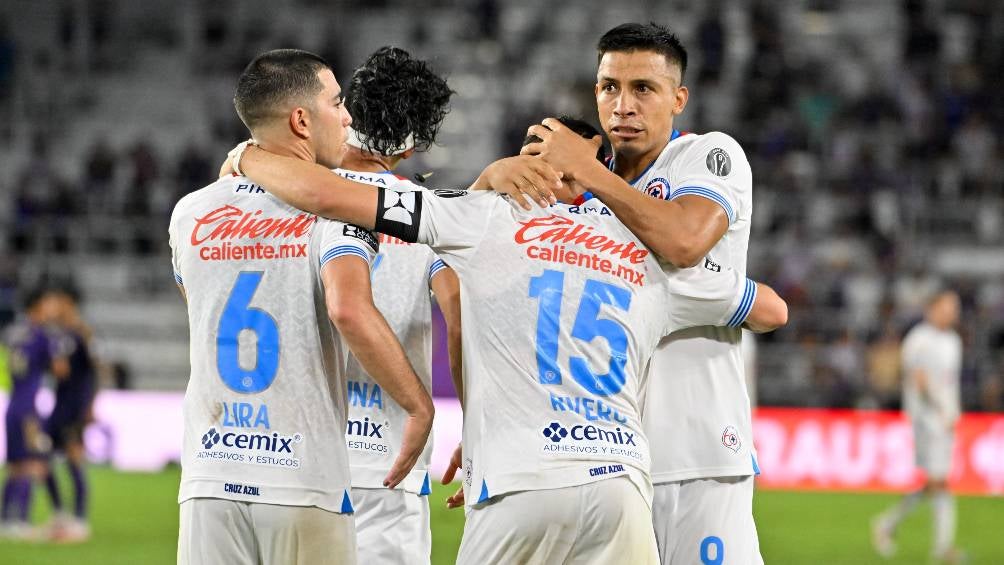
x: 393, y: 95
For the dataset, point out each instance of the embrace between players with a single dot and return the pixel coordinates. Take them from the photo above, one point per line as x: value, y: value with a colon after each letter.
x: 606, y: 418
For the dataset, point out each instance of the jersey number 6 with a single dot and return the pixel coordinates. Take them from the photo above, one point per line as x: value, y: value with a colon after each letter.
x: 237, y: 317
x: 549, y: 288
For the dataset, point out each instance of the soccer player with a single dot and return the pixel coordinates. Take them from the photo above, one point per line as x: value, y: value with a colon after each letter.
x: 932, y: 361
x: 392, y: 526
x: 70, y: 415
x: 265, y: 475
x: 33, y: 353
x: 570, y: 307
x: 688, y: 197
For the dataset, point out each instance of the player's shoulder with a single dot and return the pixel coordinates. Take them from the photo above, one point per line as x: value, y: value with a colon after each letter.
x: 18, y: 333
x: 385, y: 179
x: 337, y: 230
x: 220, y: 186
x: 921, y: 332
x: 713, y: 146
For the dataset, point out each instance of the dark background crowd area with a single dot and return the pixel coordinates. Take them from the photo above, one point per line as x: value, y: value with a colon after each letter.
x: 874, y: 131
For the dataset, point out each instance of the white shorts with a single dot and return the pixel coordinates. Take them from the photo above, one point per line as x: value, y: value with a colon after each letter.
x: 216, y: 531
x: 706, y: 521
x: 933, y: 450
x: 603, y: 522
x: 392, y: 526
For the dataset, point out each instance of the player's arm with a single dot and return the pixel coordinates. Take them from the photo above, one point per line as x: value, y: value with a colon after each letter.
x: 60, y: 368
x: 59, y: 361
x: 311, y: 187
x: 681, y: 231
x: 349, y: 301
x: 446, y: 286
x: 769, y: 311
x: 702, y: 297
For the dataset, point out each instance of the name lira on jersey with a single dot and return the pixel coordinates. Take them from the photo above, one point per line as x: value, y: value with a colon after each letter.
x: 267, y: 384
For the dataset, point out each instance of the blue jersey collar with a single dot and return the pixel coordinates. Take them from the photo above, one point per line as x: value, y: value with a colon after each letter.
x: 674, y: 135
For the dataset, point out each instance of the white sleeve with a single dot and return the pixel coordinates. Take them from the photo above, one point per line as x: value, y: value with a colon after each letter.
x: 453, y: 222
x: 914, y: 350
x: 437, y: 266
x: 172, y: 239
x: 715, y: 167
x: 703, y: 296
x: 339, y: 240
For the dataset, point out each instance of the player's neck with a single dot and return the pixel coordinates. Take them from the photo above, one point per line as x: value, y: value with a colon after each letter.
x: 364, y: 161
x: 295, y: 148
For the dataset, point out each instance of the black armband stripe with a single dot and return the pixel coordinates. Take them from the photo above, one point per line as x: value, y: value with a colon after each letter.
x: 399, y: 214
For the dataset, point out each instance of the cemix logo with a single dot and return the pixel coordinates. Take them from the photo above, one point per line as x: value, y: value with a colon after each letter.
x: 580, y: 432
x: 210, y: 438
x: 274, y: 443
x: 555, y: 432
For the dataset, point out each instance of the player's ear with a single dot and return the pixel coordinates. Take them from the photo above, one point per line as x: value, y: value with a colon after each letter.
x: 682, y: 95
x: 407, y: 153
x: 299, y: 122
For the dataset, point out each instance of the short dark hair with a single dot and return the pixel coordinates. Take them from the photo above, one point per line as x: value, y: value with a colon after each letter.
x: 581, y: 127
x: 272, y: 80
x: 393, y: 96
x: 644, y: 37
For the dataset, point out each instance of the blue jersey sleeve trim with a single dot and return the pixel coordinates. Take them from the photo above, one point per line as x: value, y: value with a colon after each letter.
x: 342, y: 251
x: 178, y: 279
x: 745, y: 305
x: 435, y: 267
x: 706, y: 193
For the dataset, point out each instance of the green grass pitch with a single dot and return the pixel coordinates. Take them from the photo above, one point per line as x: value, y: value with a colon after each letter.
x: 135, y: 521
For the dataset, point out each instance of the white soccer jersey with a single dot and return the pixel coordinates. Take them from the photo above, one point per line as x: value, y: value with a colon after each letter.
x: 402, y: 273
x: 266, y: 401
x: 939, y: 354
x: 697, y: 410
x: 576, y: 306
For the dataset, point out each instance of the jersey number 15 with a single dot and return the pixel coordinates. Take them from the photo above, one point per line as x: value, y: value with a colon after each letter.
x: 549, y: 288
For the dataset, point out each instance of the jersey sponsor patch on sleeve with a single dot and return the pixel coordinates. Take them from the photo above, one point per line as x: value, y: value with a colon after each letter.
x: 363, y: 235
x: 719, y: 162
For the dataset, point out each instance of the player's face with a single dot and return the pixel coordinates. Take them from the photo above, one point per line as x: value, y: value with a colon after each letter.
x: 947, y: 310
x: 638, y: 94
x: 49, y: 307
x: 330, y: 120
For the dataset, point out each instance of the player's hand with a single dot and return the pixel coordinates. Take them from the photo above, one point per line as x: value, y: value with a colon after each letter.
x: 227, y: 168
x: 562, y: 148
x: 456, y: 464
x: 521, y: 177
x: 416, y: 433
x: 231, y: 165
x: 457, y: 500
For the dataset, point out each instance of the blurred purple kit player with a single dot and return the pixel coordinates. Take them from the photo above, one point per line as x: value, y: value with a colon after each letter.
x: 74, y: 395
x: 32, y: 355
